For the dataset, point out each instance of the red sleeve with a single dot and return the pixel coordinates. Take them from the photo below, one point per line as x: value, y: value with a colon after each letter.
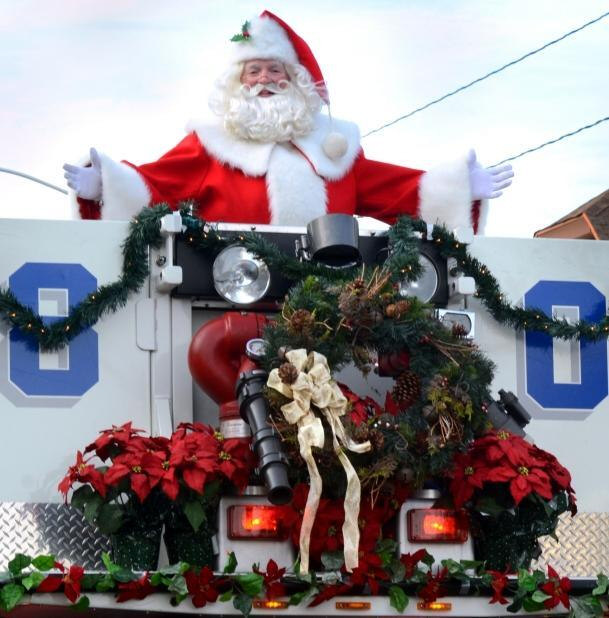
x: 385, y: 191
x: 178, y: 174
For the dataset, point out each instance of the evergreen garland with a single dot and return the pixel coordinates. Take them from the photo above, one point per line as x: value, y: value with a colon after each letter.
x: 402, y: 263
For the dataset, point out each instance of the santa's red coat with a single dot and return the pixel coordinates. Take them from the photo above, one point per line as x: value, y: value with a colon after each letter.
x: 237, y: 181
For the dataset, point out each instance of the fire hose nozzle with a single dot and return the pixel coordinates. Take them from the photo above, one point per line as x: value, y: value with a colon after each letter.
x: 265, y: 442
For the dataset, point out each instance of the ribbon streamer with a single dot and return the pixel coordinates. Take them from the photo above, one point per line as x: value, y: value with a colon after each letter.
x: 314, y: 384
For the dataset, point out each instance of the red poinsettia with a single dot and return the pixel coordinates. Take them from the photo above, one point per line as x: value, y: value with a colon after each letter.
x: 202, y: 586
x: 70, y: 580
x: 82, y: 472
x: 272, y: 579
x: 410, y: 562
x: 362, y: 408
x: 433, y: 587
x: 558, y: 588
x: 369, y: 571
x: 501, y: 457
x: 138, y: 589
x: 112, y: 439
x: 499, y: 582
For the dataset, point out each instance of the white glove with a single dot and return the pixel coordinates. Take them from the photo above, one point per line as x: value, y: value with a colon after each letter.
x: 487, y: 183
x: 86, y: 181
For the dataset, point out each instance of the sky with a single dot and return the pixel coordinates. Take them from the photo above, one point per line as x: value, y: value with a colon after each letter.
x: 125, y: 76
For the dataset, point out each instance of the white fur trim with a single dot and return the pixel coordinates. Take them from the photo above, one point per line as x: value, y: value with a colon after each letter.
x: 124, y: 192
x: 296, y: 193
x: 253, y: 157
x: 267, y: 40
x: 250, y: 157
x: 312, y: 146
x: 483, y: 217
x: 445, y: 196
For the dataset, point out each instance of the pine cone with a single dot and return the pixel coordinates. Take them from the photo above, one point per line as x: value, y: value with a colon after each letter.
x: 407, y: 388
x: 288, y: 373
x: 377, y: 439
x: 301, y: 321
x: 391, y: 311
x: 402, y: 307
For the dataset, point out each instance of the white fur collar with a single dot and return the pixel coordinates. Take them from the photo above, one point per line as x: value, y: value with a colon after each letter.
x: 252, y: 158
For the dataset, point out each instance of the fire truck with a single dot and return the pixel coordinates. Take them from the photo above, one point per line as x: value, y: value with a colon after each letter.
x: 133, y: 365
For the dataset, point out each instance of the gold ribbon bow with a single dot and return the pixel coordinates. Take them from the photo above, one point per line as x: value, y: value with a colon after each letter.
x: 314, y: 385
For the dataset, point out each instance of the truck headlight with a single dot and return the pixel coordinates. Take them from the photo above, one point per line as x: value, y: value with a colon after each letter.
x: 239, y: 277
x: 425, y: 286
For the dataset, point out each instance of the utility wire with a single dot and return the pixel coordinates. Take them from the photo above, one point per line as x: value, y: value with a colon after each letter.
x: 42, y: 182
x: 494, y: 72
x: 553, y: 141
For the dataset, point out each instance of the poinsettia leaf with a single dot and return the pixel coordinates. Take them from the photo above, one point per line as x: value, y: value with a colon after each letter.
x: 539, y: 596
x: 488, y: 504
x: 177, y: 568
x: 81, y: 496
x: 155, y: 579
x: 586, y: 607
x: 91, y: 510
x: 398, y: 571
x: 515, y: 605
x: 251, y: 583
x: 602, y: 583
x: 109, y: 518
x: 333, y: 560
x: 452, y: 566
x: 119, y: 573
x: 178, y: 585
x: 243, y: 603
x: 231, y: 565
x: 32, y: 580
x: 226, y: 596
x: 398, y: 598
x: 303, y: 597
x: 10, y: 595
x: 105, y: 584
x: 18, y: 563
x: 386, y: 548
x: 44, y: 562
x: 81, y: 605
x: 529, y: 605
x: 176, y: 599
x: 428, y: 559
x: 195, y: 513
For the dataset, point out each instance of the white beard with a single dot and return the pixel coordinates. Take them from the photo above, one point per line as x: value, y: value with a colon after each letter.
x: 277, y: 118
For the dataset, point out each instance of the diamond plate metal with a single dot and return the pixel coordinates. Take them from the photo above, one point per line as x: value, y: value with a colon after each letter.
x: 583, y: 547
x: 58, y: 529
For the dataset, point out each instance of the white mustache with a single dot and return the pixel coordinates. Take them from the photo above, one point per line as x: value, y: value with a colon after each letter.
x: 253, y: 91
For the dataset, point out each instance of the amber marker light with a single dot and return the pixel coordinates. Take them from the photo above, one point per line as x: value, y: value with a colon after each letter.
x: 435, y: 606
x: 270, y: 604
x: 359, y: 605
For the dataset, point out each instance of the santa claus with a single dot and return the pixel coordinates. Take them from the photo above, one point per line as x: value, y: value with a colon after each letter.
x: 271, y: 156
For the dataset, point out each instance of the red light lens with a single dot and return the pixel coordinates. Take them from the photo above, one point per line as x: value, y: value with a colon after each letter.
x: 255, y: 521
x: 437, y: 525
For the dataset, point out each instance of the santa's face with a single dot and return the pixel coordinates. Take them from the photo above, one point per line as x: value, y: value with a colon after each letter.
x: 264, y: 72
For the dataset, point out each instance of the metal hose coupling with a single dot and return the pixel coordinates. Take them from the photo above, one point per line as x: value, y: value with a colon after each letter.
x: 265, y: 442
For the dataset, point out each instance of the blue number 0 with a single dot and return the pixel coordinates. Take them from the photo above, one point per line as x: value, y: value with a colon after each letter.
x: 60, y: 286
x: 540, y: 385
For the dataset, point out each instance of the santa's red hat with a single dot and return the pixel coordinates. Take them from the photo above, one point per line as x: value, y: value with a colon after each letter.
x: 269, y: 37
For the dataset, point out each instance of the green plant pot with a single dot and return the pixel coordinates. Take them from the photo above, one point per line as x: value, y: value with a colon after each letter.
x: 137, y: 549
x: 185, y: 545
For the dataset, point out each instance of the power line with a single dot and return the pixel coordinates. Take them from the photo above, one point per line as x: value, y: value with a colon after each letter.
x: 494, y: 72
x: 33, y: 178
x: 552, y: 141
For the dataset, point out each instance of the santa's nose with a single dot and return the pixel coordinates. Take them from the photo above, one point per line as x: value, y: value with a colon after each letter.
x: 264, y: 78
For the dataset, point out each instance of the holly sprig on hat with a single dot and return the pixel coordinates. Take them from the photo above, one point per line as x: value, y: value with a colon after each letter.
x: 244, y: 35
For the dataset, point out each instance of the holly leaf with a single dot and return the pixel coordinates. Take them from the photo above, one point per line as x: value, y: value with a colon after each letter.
x: 243, y: 603
x: 586, y: 607
x: 386, y: 550
x: 119, y: 573
x: 195, y: 513
x: 81, y: 605
x: 602, y: 582
x: 398, y: 571
x: 397, y: 598
x: 178, y: 568
x: 529, y: 605
x: 226, y: 596
x: 333, y: 560
x: 250, y: 583
x: 44, y: 563
x: 10, y: 595
x: 18, y: 563
x: 32, y: 580
x: 231, y: 565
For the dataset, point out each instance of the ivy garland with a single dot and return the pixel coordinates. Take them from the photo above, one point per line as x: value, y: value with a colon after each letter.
x: 144, y: 231
x: 400, y: 579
